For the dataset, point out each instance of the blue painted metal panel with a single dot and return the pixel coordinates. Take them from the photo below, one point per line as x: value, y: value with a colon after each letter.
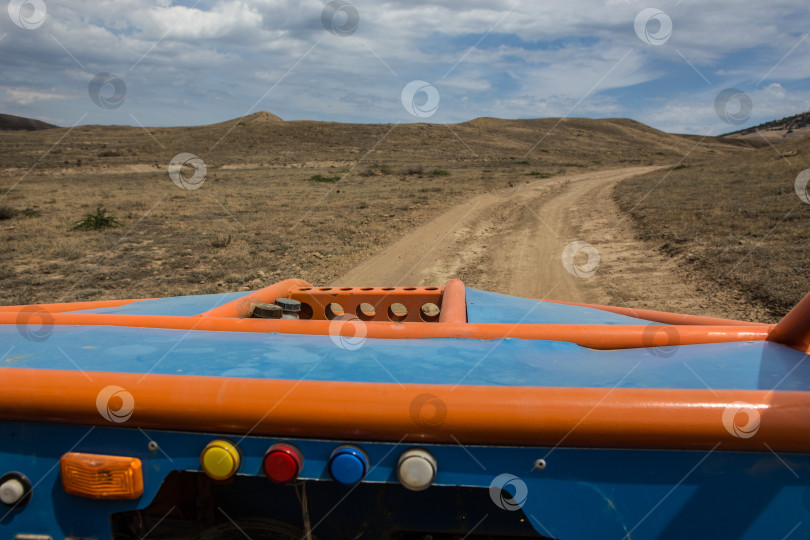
x: 503, y: 362
x: 489, y: 307
x: 581, y: 494
x: 181, y: 306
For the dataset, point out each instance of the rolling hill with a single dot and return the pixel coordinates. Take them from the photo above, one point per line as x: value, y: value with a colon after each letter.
x: 16, y: 123
x: 264, y: 138
x: 790, y: 127
x: 280, y: 198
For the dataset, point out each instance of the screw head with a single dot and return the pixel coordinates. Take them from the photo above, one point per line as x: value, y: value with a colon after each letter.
x: 267, y: 311
x: 288, y: 304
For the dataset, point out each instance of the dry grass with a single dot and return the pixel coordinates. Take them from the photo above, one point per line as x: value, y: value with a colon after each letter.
x: 736, y: 221
x: 259, y: 217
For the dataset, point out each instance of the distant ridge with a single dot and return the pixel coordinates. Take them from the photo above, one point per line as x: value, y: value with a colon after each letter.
x: 261, y: 117
x: 789, y: 127
x: 261, y: 139
x: 20, y: 123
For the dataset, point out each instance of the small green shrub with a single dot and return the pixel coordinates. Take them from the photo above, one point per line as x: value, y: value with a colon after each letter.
x: 539, y: 174
x: 221, y: 241
x: 325, y: 179
x: 439, y: 172
x: 94, y: 222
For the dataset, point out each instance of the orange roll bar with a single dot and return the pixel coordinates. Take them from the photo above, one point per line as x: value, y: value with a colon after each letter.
x: 794, y: 328
x: 454, y: 302
x: 595, y: 336
x: 492, y: 415
x: 664, y: 317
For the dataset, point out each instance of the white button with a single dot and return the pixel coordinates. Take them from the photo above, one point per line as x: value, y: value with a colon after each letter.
x: 417, y: 469
x: 11, y: 491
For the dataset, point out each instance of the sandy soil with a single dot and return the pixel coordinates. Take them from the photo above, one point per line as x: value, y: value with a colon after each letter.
x: 513, y: 243
x: 315, y: 199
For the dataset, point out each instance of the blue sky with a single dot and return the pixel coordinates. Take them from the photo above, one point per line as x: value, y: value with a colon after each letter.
x: 191, y: 63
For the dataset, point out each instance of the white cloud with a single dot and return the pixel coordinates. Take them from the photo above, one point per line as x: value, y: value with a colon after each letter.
x: 776, y: 91
x: 697, y: 114
x: 185, y: 24
x: 26, y: 96
x: 467, y: 84
x: 216, y: 59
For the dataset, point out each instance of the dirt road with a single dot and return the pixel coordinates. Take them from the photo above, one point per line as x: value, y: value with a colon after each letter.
x: 510, y: 242
x: 514, y: 242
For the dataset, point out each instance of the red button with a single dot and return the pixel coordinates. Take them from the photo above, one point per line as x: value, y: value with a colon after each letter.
x: 282, y: 463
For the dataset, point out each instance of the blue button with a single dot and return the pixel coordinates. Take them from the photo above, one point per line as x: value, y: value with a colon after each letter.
x: 348, y: 465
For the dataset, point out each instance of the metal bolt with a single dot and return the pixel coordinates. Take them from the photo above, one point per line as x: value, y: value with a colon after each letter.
x: 288, y: 304
x: 267, y: 311
x: 539, y: 465
x: 153, y: 446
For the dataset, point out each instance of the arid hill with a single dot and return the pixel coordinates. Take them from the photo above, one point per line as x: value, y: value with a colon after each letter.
x: 790, y: 127
x: 263, y: 139
x: 260, y: 117
x: 281, y: 199
x: 16, y: 123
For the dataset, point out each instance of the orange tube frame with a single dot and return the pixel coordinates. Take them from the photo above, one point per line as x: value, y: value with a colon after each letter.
x: 454, y: 303
x: 664, y: 317
x: 452, y: 297
x: 234, y: 317
x: 595, y: 336
x: 541, y: 416
x: 493, y: 415
x: 794, y: 328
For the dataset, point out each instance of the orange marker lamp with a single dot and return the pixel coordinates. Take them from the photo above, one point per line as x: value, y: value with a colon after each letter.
x: 98, y: 476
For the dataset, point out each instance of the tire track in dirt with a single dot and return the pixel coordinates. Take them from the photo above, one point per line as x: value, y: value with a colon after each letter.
x: 510, y: 241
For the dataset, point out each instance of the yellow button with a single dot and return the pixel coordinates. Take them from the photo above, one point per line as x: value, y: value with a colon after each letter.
x: 220, y: 459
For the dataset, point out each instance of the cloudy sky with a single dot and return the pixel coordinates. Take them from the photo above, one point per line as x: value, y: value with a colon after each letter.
x: 188, y: 63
